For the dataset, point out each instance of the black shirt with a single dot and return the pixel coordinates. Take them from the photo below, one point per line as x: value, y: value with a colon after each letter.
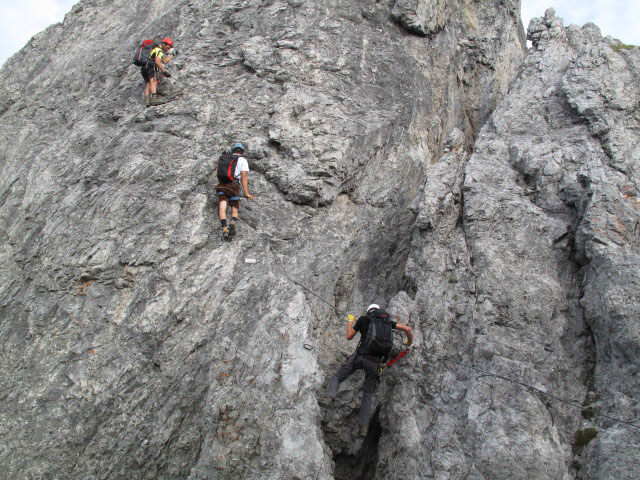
x: 362, y: 325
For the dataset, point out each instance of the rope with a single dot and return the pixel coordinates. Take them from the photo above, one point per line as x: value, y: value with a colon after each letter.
x: 307, y: 289
x: 530, y: 388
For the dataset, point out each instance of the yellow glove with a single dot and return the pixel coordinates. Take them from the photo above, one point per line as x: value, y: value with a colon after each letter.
x: 351, y: 318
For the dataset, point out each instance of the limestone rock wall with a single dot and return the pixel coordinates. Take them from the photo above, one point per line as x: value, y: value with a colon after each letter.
x: 137, y: 344
x: 526, y: 264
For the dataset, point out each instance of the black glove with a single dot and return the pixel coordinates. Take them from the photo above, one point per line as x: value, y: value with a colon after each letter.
x: 167, y: 74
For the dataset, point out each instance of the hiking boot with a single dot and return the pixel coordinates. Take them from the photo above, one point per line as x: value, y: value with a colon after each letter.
x: 232, y: 229
x: 147, y: 100
x: 362, y: 430
x: 156, y: 100
x: 225, y: 232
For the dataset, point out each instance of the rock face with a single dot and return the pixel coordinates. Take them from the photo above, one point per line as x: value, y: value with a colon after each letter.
x: 538, y: 278
x: 402, y: 152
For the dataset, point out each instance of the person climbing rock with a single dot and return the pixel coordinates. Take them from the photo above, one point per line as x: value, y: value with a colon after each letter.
x: 233, y: 170
x: 157, y: 60
x: 376, y: 341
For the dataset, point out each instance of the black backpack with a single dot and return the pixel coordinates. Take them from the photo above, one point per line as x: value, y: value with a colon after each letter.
x: 227, y: 167
x: 379, y: 338
x: 141, y: 56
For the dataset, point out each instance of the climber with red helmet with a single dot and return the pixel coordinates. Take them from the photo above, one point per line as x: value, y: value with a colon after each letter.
x: 159, y: 56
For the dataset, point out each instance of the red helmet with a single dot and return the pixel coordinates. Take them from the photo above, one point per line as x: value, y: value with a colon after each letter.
x: 168, y: 41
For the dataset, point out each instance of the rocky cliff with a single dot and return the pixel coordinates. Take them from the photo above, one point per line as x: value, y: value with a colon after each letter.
x: 402, y: 152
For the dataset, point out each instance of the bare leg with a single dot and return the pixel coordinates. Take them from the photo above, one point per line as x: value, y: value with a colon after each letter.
x: 222, y: 207
x: 153, y: 85
x: 235, y: 206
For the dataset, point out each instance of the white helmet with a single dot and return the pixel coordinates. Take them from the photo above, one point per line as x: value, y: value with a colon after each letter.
x: 372, y: 307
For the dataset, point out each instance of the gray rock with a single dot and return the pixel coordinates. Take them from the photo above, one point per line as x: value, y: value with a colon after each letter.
x: 402, y: 153
x: 422, y: 17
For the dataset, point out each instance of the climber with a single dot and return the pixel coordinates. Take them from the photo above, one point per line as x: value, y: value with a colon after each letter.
x: 376, y: 340
x: 159, y: 56
x: 233, y: 171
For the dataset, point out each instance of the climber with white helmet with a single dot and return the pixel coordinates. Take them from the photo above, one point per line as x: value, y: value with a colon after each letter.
x: 376, y: 341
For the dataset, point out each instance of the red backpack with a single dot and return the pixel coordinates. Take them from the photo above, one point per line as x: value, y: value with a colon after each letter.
x: 141, y: 56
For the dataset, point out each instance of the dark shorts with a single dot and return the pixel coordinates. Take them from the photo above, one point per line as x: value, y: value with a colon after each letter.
x: 231, y: 190
x: 149, y: 71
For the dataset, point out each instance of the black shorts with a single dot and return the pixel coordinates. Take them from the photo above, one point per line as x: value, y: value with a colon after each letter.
x: 149, y: 71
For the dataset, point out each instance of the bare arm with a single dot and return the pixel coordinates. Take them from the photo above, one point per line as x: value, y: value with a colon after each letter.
x: 161, y: 62
x: 245, y: 184
x: 158, y: 62
x: 407, y: 330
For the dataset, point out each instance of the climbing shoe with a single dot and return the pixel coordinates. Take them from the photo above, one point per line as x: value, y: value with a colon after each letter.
x: 362, y: 430
x: 157, y: 99
x: 232, y: 229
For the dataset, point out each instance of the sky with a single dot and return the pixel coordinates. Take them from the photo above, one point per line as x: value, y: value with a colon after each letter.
x: 22, y: 19
x: 614, y: 17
